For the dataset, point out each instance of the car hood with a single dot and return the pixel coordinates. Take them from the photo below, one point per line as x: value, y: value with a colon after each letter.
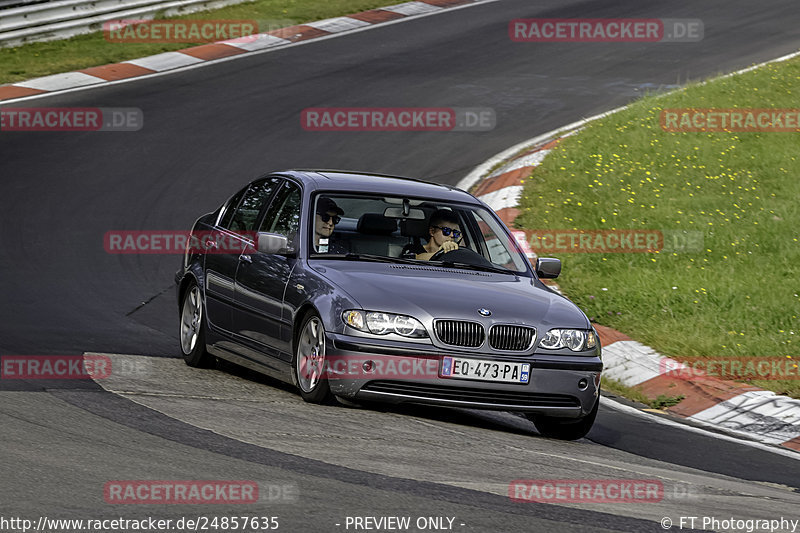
x: 434, y: 292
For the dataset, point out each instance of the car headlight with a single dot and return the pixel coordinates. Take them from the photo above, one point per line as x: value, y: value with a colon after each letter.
x: 574, y: 339
x: 379, y: 323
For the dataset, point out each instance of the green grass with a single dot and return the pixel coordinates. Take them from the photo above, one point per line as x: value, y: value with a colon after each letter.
x: 663, y: 401
x: 635, y: 394
x: 632, y: 393
x: 738, y: 294
x: 89, y: 50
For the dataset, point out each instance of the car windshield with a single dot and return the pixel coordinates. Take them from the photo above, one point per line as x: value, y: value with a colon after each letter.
x: 399, y: 229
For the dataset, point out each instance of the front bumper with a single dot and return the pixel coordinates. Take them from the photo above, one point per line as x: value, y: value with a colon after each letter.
x: 559, y: 385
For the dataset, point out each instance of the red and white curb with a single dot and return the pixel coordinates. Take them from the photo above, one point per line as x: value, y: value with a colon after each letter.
x: 735, y: 408
x: 227, y: 50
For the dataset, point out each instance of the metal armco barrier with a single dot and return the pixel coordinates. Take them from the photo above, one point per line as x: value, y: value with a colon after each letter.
x: 8, y: 4
x: 64, y: 18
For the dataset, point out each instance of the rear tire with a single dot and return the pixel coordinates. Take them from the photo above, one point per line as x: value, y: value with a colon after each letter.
x: 565, y: 428
x: 309, y: 363
x: 193, y: 329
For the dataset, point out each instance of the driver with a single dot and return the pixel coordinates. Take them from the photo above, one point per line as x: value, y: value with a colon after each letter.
x: 327, y: 215
x: 444, y: 234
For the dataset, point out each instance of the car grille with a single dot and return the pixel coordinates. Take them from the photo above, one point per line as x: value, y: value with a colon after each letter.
x: 493, y: 397
x: 460, y: 333
x: 511, y: 338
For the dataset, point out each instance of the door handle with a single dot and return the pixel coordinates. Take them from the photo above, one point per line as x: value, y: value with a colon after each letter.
x: 245, y: 258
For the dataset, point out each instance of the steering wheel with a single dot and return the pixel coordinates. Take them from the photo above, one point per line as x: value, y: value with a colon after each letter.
x: 461, y: 255
x: 440, y: 253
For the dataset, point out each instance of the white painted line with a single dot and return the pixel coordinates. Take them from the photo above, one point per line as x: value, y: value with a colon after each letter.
x: 411, y: 8
x: 773, y: 418
x: 58, y: 82
x: 502, y: 198
x: 478, y: 172
x: 240, y: 56
x: 165, y: 61
x: 608, y: 402
x: 338, y: 24
x: 530, y: 160
x: 631, y: 362
x: 259, y: 41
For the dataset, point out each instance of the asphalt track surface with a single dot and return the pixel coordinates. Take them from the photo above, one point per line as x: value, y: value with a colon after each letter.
x: 208, y: 131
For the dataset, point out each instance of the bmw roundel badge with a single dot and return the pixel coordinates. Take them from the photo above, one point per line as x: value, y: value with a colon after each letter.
x: 484, y: 312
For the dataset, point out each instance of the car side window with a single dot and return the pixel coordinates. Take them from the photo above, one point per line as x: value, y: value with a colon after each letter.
x: 283, y: 215
x: 496, y: 244
x: 256, y: 197
x: 230, y: 209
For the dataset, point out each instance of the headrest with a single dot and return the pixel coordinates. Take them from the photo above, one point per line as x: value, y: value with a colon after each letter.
x: 376, y: 224
x: 414, y: 228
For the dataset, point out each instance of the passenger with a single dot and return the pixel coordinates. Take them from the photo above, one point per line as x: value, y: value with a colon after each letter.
x: 325, y: 220
x: 444, y: 234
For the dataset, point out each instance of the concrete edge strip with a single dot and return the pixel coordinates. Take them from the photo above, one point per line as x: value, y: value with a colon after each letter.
x: 736, y: 408
x: 699, y: 426
x: 194, y: 57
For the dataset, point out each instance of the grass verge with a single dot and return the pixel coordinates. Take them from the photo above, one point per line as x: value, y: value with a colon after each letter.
x: 735, y: 292
x: 90, y: 50
x: 633, y: 393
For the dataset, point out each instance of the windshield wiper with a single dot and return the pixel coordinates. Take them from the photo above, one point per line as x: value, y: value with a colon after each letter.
x: 368, y: 257
x: 471, y: 266
x: 386, y: 259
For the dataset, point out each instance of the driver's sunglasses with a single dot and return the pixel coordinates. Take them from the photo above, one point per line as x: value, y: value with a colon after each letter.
x: 326, y: 217
x: 447, y: 231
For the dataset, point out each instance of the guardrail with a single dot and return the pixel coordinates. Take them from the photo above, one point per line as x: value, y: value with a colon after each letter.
x: 64, y: 18
x: 8, y: 4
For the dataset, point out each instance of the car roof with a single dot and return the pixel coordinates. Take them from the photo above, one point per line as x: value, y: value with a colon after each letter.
x: 343, y: 180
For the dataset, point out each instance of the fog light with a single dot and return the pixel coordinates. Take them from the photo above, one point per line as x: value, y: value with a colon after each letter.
x: 583, y: 383
x: 368, y: 366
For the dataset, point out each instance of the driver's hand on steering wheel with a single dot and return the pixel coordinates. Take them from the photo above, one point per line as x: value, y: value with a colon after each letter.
x: 448, y: 246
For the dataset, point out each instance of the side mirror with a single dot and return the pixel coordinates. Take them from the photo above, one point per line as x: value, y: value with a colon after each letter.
x: 273, y: 243
x: 548, y: 267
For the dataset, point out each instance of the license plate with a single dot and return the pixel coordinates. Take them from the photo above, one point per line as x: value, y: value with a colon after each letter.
x: 463, y: 368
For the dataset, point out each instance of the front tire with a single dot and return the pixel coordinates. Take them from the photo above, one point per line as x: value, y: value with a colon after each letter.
x: 193, y: 330
x: 565, y: 428
x: 308, y: 362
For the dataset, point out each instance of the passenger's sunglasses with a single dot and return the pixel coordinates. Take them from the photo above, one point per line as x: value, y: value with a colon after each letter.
x: 326, y: 217
x: 447, y: 231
